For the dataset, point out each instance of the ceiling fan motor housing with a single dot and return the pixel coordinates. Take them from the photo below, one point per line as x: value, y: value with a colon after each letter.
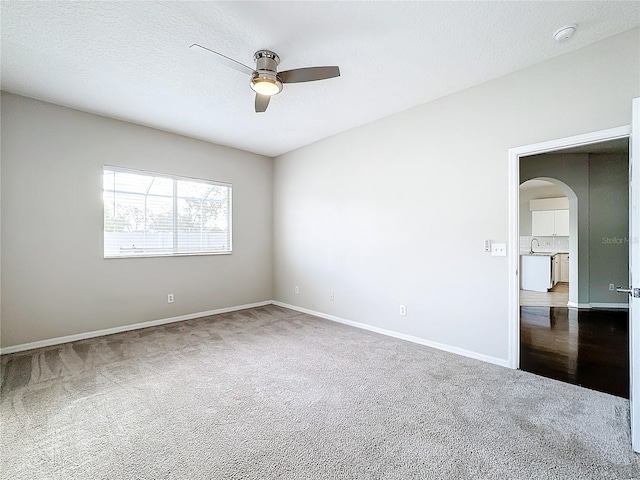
x: 266, y: 68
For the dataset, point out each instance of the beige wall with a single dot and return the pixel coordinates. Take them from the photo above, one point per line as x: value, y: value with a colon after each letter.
x: 55, y: 281
x: 396, y: 211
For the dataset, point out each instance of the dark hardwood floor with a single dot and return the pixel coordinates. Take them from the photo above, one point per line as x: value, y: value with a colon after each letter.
x: 584, y: 347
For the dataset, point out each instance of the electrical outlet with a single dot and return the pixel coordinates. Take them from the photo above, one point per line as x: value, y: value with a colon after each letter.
x: 403, y: 310
x: 499, y: 250
x: 170, y: 298
x: 332, y: 297
x: 612, y: 286
x: 297, y: 289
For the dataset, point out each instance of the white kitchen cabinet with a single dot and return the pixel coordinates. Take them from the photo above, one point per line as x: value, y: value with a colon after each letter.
x: 557, y: 274
x: 550, y: 223
x: 561, y: 222
x: 564, y: 267
x: 543, y: 223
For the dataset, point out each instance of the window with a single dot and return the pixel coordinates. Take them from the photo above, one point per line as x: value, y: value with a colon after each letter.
x: 151, y: 214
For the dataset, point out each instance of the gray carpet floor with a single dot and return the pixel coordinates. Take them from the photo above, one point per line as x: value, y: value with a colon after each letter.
x: 269, y: 393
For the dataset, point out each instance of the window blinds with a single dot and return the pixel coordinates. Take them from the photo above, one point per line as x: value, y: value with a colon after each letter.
x: 152, y: 214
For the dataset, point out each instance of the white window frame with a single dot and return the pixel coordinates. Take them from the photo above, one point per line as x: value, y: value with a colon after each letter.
x: 175, y: 245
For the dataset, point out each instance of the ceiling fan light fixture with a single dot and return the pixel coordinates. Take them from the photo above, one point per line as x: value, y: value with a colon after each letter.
x: 266, y: 81
x: 266, y: 86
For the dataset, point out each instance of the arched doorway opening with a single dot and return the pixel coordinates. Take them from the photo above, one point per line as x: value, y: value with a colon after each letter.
x: 549, y: 227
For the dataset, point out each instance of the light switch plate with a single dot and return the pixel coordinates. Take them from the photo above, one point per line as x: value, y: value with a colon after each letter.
x: 498, y: 249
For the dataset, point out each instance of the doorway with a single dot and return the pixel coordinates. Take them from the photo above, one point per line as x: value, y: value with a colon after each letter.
x: 585, y: 341
x: 580, y: 271
x: 632, y: 133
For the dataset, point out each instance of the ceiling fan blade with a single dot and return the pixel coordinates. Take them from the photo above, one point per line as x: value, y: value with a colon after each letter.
x: 262, y: 102
x: 223, y: 59
x: 308, y: 74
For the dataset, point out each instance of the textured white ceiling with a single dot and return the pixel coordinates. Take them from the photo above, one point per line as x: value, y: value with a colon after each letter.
x: 131, y: 61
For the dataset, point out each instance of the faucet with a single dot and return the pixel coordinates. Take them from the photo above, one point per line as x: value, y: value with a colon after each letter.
x: 531, y: 250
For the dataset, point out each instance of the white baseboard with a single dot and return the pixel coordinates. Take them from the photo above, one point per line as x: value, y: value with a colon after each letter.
x: 410, y: 338
x: 136, y: 326
x: 124, y: 328
x: 597, y: 305
x: 609, y: 305
x: 578, y: 305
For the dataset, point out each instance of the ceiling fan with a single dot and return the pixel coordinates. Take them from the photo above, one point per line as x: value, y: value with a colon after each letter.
x: 266, y: 81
